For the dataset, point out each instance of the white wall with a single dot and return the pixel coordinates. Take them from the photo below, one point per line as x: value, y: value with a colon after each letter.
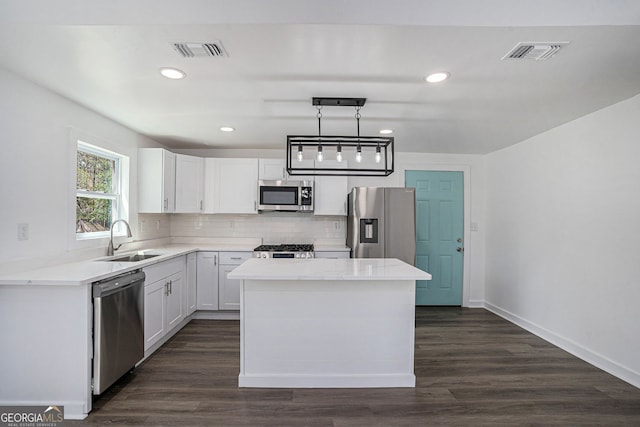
x: 35, y: 127
x: 562, y: 236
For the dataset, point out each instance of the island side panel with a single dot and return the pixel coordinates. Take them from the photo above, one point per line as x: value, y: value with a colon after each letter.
x: 327, y: 333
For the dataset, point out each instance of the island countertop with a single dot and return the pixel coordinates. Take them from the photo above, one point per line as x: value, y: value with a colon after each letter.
x: 327, y: 269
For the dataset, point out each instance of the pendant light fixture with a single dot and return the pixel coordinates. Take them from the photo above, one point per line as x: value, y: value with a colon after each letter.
x: 319, y: 157
x: 374, y: 155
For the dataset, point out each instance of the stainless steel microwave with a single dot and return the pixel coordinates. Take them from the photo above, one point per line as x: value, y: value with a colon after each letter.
x: 287, y: 196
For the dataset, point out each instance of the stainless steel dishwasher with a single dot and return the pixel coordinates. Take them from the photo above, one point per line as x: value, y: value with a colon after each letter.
x: 118, y: 327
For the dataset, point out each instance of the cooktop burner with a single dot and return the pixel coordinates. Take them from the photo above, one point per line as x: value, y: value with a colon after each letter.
x: 287, y: 247
x: 287, y: 250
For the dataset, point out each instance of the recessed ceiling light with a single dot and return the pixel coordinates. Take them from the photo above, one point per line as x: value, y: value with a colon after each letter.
x: 227, y: 129
x: 437, y: 77
x: 173, y: 73
x: 386, y: 131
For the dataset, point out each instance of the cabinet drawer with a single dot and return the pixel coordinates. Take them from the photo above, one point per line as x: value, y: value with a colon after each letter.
x: 332, y: 254
x: 164, y: 269
x: 234, y: 258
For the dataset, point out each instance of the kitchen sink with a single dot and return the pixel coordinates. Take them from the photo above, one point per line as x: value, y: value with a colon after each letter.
x: 132, y: 258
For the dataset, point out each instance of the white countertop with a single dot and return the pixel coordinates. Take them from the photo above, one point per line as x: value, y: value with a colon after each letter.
x: 89, y: 271
x: 328, y: 269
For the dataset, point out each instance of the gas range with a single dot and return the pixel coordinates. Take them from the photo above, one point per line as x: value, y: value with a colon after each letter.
x: 284, y: 251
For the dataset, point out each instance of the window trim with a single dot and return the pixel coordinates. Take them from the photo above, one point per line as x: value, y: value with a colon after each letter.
x: 80, y: 141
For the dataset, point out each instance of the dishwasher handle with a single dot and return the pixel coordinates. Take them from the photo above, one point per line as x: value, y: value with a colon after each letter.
x: 118, y: 283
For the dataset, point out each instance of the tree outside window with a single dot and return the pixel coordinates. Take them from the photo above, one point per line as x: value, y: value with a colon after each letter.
x: 98, y: 190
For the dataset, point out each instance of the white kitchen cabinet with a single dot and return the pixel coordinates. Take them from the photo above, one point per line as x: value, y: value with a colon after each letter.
x: 156, y: 180
x: 231, y: 186
x: 189, y: 184
x: 155, y: 315
x: 330, y: 192
x: 163, y: 299
x: 332, y: 254
x: 174, y: 300
x: 272, y: 169
x: 229, y: 289
x: 207, y: 281
x: 192, y: 284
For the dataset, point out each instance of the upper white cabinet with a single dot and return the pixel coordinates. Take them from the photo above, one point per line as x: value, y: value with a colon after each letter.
x: 189, y: 184
x: 231, y: 186
x: 272, y: 169
x: 156, y: 180
x: 330, y: 192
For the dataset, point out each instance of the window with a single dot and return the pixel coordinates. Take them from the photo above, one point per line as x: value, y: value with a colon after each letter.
x: 99, y: 195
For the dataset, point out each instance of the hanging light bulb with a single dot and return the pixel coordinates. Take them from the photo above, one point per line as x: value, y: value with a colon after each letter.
x: 358, y: 154
x: 300, y: 158
x: 378, y: 155
x: 319, y: 157
x: 339, y: 154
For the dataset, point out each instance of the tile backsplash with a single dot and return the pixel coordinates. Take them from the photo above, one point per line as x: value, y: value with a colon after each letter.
x: 273, y: 228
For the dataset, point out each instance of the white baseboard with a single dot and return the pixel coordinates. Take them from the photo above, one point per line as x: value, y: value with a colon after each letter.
x: 570, y: 346
x: 326, y: 381
x: 216, y: 315
x: 475, y: 304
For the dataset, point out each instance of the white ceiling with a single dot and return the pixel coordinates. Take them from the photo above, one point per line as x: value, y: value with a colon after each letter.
x: 106, y: 55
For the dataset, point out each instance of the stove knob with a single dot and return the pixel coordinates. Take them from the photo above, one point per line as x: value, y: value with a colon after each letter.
x: 264, y: 255
x: 303, y: 255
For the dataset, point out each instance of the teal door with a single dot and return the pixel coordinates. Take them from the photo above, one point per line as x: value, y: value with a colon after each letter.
x: 439, y: 235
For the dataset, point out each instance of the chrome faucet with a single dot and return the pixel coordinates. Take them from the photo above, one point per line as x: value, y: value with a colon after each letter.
x: 110, y: 249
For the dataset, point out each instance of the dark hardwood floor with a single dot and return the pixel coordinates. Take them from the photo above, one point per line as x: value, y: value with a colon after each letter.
x: 473, y: 368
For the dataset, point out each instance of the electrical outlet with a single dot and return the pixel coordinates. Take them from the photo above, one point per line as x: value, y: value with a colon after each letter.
x: 336, y: 225
x: 23, y: 231
x: 158, y: 225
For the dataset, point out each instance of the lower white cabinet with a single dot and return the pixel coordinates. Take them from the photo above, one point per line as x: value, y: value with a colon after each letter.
x: 191, y: 282
x: 229, y: 289
x: 163, y: 299
x: 207, y: 281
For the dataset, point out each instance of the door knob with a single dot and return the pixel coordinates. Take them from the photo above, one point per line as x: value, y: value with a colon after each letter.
x: 459, y: 249
x: 459, y: 240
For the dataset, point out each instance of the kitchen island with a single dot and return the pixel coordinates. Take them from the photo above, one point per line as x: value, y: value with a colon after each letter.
x: 327, y: 323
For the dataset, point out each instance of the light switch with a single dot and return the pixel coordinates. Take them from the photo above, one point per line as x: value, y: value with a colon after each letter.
x: 23, y: 231
x: 474, y: 226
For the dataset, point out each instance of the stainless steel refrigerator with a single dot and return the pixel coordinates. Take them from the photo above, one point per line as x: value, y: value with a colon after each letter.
x: 381, y: 223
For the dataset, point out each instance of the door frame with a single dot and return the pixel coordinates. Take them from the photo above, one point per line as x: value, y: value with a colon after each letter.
x: 466, y: 197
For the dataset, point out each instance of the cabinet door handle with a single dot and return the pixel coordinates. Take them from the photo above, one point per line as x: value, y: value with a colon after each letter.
x: 171, y: 286
x: 255, y: 205
x: 166, y: 204
x: 200, y: 205
x: 166, y: 289
x: 283, y: 175
x: 236, y: 257
x: 215, y: 260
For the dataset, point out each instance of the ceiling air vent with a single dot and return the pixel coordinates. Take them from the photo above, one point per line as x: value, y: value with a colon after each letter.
x: 200, y: 50
x: 536, y: 51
